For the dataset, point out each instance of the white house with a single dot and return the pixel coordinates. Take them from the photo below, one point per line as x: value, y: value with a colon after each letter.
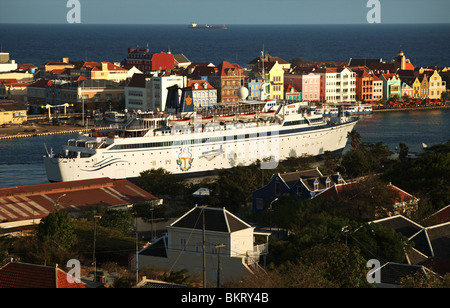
x: 218, y: 231
x: 137, y: 93
x: 340, y: 84
x: 7, y: 65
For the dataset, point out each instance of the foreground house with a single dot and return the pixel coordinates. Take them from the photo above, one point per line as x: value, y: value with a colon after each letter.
x: 431, y: 244
x: 22, y: 208
x: 225, y: 238
x: 24, y: 275
x: 304, y: 184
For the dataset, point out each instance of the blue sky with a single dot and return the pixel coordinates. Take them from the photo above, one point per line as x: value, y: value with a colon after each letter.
x: 224, y: 11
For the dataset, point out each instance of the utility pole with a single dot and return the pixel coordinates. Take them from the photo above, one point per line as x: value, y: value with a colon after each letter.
x: 204, y: 251
x: 218, y: 264
x: 137, y: 250
x: 94, y: 260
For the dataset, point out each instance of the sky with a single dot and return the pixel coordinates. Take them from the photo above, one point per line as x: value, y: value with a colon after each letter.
x: 225, y: 11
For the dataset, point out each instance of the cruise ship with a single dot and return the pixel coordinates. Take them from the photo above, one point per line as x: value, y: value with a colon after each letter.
x: 188, y: 142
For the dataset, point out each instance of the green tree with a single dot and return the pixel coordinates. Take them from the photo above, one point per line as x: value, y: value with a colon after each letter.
x: 403, y: 151
x: 121, y: 220
x: 355, y: 138
x: 57, y: 228
x: 160, y: 182
x: 340, y: 264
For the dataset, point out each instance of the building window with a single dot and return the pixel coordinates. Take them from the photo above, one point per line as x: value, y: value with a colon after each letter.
x: 259, y: 204
x: 277, y: 188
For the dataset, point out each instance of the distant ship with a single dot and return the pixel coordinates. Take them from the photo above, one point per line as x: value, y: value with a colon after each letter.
x: 195, y: 26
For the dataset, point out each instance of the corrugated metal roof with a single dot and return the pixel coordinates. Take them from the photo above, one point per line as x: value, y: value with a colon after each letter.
x: 37, y: 201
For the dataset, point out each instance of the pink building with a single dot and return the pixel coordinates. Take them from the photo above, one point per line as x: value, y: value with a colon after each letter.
x: 308, y: 84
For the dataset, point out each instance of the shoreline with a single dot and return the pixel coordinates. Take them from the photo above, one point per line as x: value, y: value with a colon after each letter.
x: 36, y: 130
x: 411, y: 108
x: 15, y: 131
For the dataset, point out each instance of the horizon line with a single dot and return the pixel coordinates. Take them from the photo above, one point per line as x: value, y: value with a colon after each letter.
x: 234, y: 24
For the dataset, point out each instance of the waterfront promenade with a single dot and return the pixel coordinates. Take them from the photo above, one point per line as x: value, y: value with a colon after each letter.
x: 36, y: 130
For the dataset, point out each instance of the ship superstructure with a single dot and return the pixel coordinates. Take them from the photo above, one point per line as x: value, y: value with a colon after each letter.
x: 193, y: 142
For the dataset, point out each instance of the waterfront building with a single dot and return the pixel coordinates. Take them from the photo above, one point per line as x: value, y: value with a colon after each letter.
x: 254, y: 89
x: 364, y: 85
x: 6, y: 64
x: 416, y: 88
x: 201, y: 94
x: 12, y: 112
x: 407, y: 90
x: 269, y: 59
x: 226, y: 236
x: 227, y: 79
x: 310, y: 87
x: 391, y: 86
x: 148, y: 62
x: 291, y: 94
x: 424, y: 87
x: 92, y: 94
x: 137, y: 93
x: 273, y: 74
x: 37, y: 94
x: 401, y: 63
x: 181, y: 61
x: 377, y: 88
x: 102, y: 70
x: 158, y: 91
x: 47, y: 68
x: 339, y: 84
x: 436, y: 86
x: 14, y: 89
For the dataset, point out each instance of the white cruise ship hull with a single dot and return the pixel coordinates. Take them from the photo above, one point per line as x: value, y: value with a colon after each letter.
x: 189, y: 153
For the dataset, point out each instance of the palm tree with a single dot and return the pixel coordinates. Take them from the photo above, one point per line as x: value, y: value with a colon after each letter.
x: 355, y: 138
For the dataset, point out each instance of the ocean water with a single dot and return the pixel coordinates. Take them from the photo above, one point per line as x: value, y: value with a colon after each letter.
x: 423, y: 44
x: 21, y: 159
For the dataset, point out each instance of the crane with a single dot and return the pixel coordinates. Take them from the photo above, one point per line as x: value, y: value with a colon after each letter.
x: 49, y: 107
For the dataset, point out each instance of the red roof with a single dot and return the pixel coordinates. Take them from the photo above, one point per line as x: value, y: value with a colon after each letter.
x: 37, y: 201
x: 200, y: 84
x: 24, y: 275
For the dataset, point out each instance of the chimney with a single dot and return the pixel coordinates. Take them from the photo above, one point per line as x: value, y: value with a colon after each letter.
x: 104, y: 66
x: 65, y: 60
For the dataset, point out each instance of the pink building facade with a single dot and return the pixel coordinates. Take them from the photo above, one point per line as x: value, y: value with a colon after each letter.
x: 308, y: 84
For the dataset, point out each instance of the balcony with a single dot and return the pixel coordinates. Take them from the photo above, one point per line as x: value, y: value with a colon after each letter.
x: 252, y: 256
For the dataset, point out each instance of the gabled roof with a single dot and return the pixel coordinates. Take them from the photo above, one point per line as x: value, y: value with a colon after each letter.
x: 138, y: 80
x: 391, y: 273
x: 24, y: 275
x: 200, y: 85
x: 216, y: 219
x: 292, y: 177
x: 401, y: 224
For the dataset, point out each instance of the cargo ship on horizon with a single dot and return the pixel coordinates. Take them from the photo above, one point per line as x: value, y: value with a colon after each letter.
x: 193, y: 25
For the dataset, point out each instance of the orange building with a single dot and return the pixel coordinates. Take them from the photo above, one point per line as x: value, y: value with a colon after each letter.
x: 364, y: 85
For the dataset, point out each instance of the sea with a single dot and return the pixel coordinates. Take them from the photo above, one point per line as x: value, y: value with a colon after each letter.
x: 424, y: 44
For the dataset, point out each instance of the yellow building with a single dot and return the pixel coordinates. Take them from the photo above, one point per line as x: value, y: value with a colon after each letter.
x: 276, y: 79
x: 436, y: 86
x: 12, y: 113
x: 416, y: 88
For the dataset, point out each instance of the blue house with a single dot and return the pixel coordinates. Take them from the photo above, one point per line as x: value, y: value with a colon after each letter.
x: 254, y: 88
x: 301, y: 184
